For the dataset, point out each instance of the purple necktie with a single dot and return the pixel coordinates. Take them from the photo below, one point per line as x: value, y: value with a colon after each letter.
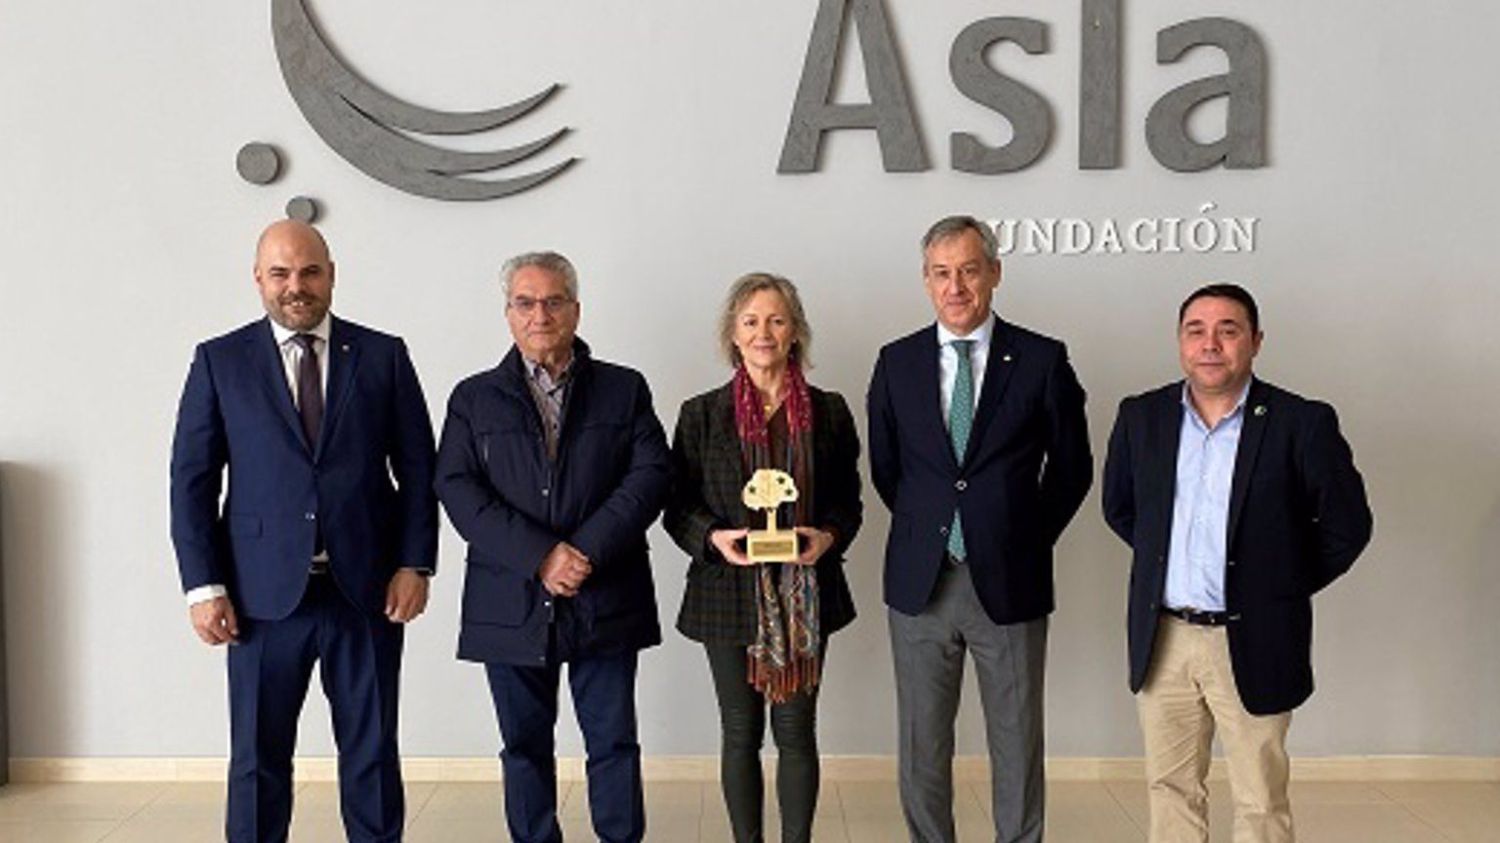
x: 309, y: 390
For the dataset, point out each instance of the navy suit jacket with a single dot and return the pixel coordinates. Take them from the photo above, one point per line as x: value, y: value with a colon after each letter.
x: 1026, y: 472
x: 237, y: 412
x: 1298, y: 518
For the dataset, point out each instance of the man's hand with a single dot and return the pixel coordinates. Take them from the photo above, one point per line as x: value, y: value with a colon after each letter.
x: 406, y: 596
x: 563, y: 570
x: 818, y: 542
x: 214, y: 621
x: 727, y: 542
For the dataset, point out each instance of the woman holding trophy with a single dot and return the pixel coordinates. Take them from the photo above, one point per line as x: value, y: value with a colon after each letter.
x: 763, y: 450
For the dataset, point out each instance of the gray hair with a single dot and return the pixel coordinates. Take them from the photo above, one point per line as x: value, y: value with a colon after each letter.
x: 740, y: 292
x: 955, y: 226
x: 551, y: 262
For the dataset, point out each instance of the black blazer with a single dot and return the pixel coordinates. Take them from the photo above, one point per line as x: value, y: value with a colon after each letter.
x: 707, y: 478
x: 1298, y: 518
x: 1027, y: 470
x: 512, y: 505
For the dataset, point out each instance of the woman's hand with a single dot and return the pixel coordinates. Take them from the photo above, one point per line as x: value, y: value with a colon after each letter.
x: 727, y: 542
x: 818, y: 542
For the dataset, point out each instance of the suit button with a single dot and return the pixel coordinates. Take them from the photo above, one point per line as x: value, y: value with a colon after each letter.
x: 961, y: 485
x: 943, y: 530
x: 1230, y: 563
x: 311, y: 516
x: 546, y: 492
x: 1153, y: 606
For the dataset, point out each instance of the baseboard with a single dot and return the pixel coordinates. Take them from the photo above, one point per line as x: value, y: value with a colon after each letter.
x: 849, y: 768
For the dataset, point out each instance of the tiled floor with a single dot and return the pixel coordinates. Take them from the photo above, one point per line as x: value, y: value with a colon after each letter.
x: 849, y: 812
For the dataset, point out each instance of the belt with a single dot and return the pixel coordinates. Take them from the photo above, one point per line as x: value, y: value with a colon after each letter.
x: 1196, y: 617
x: 953, y: 561
x: 318, y: 566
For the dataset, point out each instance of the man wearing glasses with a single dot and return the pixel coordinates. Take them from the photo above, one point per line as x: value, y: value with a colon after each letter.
x: 551, y: 466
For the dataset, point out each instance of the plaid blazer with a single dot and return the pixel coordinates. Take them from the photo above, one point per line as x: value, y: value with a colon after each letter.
x: 707, y: 478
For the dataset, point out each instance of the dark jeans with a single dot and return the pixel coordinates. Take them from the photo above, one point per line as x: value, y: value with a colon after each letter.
x: 742, y: 716
x: 604, y: 701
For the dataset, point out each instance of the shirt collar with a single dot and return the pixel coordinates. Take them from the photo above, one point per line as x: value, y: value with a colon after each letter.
x: 1239, y: 405
x: 980, y: 336
x: 284, y: 335
x: 536, y: 371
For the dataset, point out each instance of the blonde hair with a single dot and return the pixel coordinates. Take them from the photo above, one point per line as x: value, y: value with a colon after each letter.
x: 740, y: 292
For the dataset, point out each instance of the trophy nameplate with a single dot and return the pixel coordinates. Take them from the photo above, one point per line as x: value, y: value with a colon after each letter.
x: 766, y: 490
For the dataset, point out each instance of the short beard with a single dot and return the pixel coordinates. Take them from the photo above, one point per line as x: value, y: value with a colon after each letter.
x: 284, y: 317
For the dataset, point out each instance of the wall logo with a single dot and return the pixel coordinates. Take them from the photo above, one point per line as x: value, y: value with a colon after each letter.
x: 370, y: 128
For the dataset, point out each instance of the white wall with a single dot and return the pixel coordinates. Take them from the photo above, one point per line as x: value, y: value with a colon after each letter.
x: 126, y: 236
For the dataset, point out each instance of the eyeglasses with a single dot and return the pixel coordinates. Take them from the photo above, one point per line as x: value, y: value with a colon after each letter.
x: 527, y: 305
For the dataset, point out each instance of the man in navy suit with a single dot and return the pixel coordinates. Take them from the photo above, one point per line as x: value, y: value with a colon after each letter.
x: 979, y: 447
x: 1240, y: 501
x: 322, y: 547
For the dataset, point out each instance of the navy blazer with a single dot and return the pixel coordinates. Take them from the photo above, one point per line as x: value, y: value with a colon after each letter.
x: 237, y: 412
x: 1026, y: 472
x: 1298, y: 518
x: 513, y: 505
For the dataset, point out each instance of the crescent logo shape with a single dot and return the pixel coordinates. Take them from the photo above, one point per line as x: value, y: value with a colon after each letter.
x: 367, y: 126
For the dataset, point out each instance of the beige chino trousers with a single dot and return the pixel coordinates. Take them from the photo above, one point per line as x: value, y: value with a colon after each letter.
x: 1189, y: 692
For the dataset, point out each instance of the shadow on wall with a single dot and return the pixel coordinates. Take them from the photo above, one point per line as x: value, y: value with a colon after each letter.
x: 35, y: 631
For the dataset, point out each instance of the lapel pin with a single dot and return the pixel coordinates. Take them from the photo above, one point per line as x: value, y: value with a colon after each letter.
x: 1260, y: 409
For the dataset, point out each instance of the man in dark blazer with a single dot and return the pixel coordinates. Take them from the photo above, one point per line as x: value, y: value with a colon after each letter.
x: 551, y: 466
x: 1240, y: 500
x: 322, y: 547
x: 979, y: 447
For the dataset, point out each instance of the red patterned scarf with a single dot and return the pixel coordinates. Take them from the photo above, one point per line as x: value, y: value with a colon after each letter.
x: 784, y: 658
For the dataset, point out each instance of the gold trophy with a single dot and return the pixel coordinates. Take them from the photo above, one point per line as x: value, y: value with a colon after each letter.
x: 767, y: 489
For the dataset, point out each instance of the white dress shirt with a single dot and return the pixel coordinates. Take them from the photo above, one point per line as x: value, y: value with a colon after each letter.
x: 291, y: 354
x: 979, y: 356
x: 291, y: 361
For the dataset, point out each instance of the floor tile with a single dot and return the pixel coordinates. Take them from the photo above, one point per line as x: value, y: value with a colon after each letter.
x: 1464, y: 812
x: 56, y: 831
x: 1085, y: 811
x: 1335, y: 793
x: 167, y: 830
x: 69, y: 801
x: 202, y: 804
x: 686, y: 812
x: 1332, y: 823
x: 441, y: 829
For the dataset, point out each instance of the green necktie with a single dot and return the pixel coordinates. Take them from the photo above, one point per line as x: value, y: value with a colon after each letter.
x: 960, y: 422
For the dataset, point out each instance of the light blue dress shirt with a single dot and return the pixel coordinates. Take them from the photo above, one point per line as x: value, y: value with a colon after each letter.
x: 1200, y: 508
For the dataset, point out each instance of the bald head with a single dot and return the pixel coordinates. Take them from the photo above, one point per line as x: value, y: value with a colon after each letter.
x: 295, y: 274
x: 282, y: 231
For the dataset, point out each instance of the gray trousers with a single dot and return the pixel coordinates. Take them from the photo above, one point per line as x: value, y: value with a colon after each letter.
x: 1011, y: 664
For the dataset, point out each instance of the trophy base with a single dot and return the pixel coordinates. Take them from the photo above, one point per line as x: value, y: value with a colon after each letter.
x: 766, y: 546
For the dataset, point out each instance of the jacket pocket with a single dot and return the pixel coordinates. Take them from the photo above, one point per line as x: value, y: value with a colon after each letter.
x: 495, y: 596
